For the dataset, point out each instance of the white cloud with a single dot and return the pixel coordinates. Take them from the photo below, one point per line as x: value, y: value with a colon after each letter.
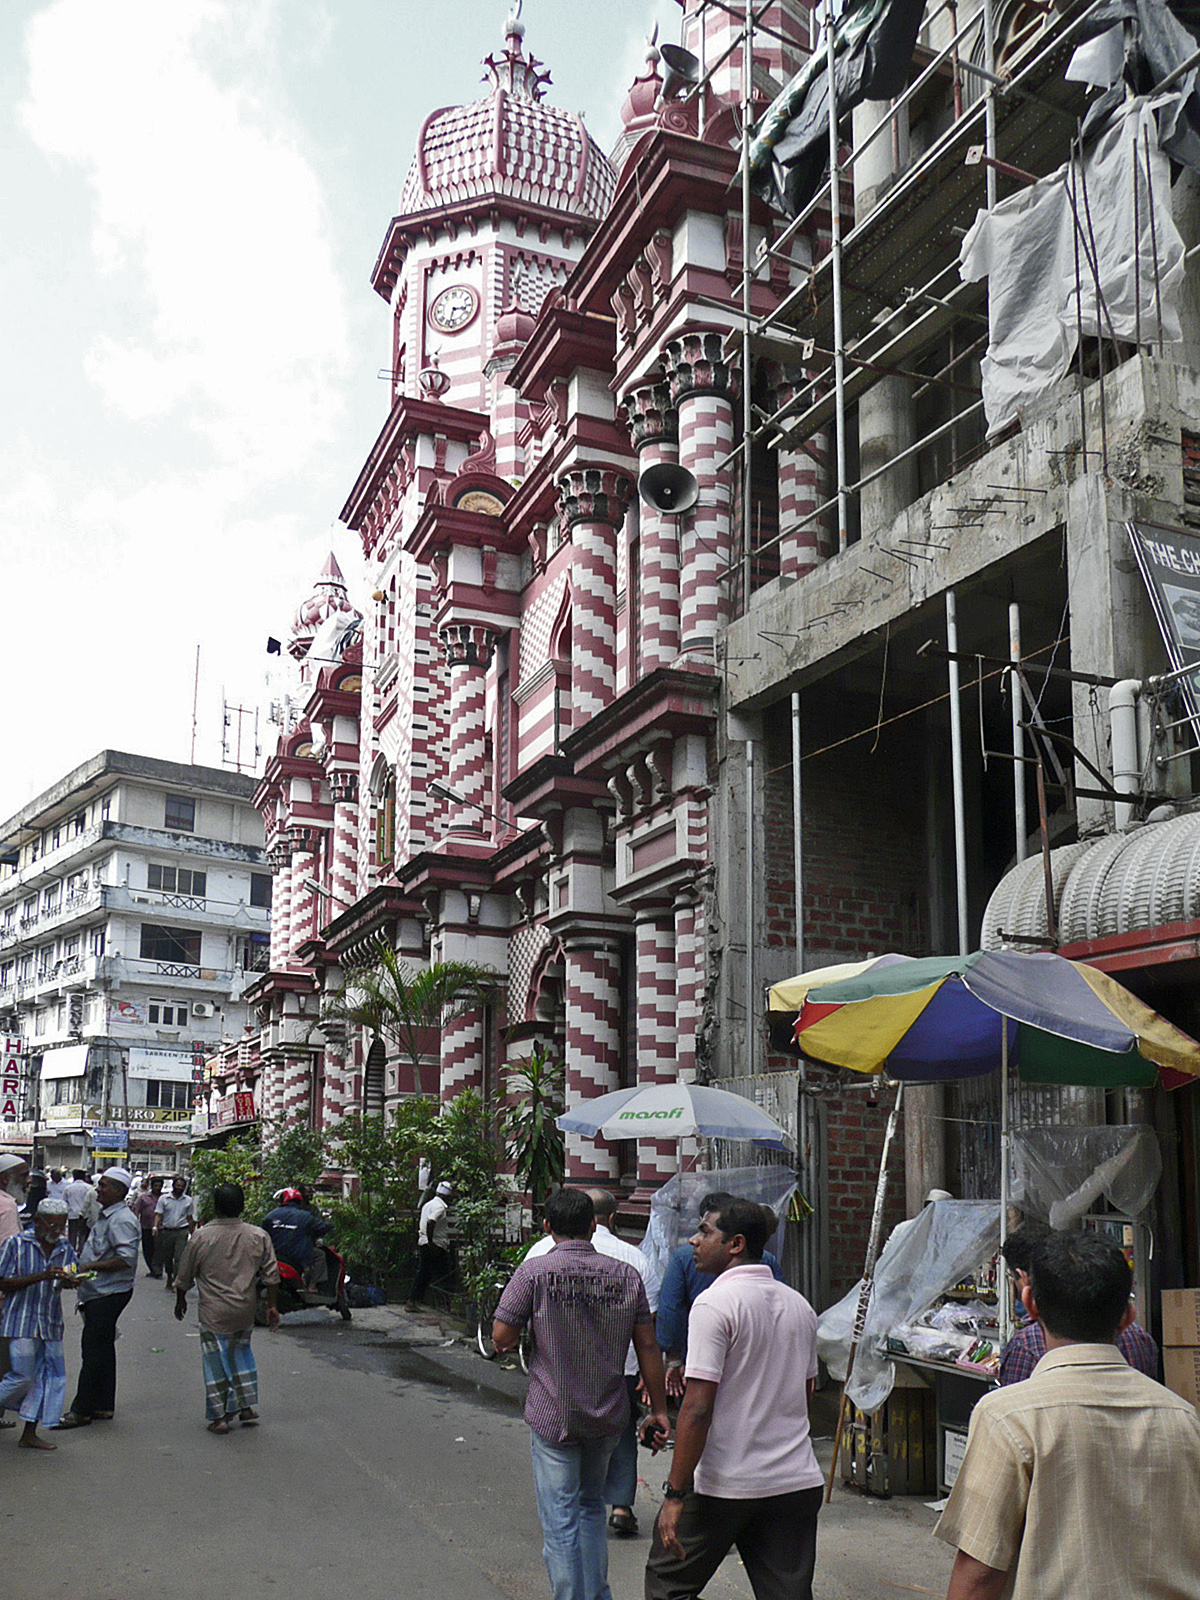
x: 205, y: 202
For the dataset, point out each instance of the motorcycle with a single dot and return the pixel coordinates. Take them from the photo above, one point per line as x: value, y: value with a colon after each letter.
x: 293, y: 1294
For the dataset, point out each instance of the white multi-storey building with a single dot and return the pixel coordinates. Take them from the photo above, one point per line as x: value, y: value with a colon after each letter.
x: 134, y: 908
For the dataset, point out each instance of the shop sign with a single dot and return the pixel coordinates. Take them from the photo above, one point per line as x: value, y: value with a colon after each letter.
x: 110, y: 1138
x: 12, y: 1078
x: 1169, y: 560
x: 124, y: 1115
x: 235, y: 1108
x: 88, y: 1116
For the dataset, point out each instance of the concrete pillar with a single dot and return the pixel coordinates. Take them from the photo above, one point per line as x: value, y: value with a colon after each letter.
x: 593, y: 502
x: 703, y: 387
x: 592, y: 971
x: 468, y: 652
x: 924, y: 1143
x: 654, y: 429
x: 656, y: 1033
x: 886, y: 416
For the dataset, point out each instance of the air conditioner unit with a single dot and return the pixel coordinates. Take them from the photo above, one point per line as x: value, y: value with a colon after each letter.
x: 203, y: 1008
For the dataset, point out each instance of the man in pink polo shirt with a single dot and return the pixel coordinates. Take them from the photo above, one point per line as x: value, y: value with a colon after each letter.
x: 743, y: 1473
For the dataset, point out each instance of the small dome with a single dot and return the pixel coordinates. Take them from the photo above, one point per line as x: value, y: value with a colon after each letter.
x: 515, y: 326
x: 509, y: 143
x: 641, y: 101
x: 329, y: 598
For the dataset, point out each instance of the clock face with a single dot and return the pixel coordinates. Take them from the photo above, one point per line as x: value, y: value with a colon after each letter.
x: 454, y: 308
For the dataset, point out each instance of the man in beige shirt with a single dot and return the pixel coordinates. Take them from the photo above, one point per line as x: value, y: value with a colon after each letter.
x: 228, y: 1259
x: 1082, y: 1482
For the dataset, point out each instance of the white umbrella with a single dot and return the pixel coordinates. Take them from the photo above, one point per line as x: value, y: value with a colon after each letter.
x: 673, y: 1111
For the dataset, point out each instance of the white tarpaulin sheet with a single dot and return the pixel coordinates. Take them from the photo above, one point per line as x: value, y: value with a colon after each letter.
x: 922, y: 1259
x: 1060, y: 1173
x: 1038, y: 302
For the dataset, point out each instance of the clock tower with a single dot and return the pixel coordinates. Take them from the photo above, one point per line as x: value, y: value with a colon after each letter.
x: 496, y: 207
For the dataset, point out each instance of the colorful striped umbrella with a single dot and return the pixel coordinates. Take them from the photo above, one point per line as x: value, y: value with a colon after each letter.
x: 943, y: 1018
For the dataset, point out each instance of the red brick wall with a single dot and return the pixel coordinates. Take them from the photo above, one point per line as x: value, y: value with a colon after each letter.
x: 854, y: 1142
x: 865, y: 892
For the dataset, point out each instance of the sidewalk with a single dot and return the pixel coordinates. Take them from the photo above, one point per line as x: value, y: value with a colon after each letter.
x: 868, y: 1548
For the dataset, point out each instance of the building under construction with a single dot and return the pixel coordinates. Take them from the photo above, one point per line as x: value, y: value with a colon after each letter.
x: 752, y: 583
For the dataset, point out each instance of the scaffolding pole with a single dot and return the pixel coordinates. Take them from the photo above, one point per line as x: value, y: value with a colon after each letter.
x: 835, y: 247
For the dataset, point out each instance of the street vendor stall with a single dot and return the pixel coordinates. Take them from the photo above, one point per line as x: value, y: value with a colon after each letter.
x: 1046, y: 1019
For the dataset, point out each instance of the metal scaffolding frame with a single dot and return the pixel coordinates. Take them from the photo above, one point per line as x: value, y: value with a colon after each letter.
x: 878, y: 300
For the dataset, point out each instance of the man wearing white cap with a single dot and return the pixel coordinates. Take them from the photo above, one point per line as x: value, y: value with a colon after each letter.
x: 433, y: 1244
x: 111, y: 1252
x: 13, y: 1172
x: 33, y: 1267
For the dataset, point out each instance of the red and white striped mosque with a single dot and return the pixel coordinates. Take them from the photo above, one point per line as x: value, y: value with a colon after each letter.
x: 514, y: 756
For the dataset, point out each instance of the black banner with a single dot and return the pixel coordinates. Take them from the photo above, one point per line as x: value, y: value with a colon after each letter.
x: 1169, y: 559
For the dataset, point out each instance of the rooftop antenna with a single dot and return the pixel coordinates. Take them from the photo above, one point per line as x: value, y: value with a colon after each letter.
x: 195, y: 701
x: 232, y: 718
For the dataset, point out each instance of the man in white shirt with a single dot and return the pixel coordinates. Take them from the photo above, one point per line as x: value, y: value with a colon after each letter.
x: 78, y: 1194
x: 56, y: 1189
x: 620, y: 1487
x: 174, y: 1224
x: 744, y: 1472
x: 433, y: 1244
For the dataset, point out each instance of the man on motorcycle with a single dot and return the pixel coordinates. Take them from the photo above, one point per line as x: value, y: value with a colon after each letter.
x: 294, y: 1231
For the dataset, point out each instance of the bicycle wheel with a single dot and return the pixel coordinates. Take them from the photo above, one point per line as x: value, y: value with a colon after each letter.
x: 525, y: 1348
x: 483, y: 1328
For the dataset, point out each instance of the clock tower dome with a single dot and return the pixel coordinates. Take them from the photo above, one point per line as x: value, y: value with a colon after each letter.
x: 497, y: 205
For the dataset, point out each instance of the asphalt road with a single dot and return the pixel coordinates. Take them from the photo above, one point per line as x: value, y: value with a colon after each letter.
x: 391, y: 1461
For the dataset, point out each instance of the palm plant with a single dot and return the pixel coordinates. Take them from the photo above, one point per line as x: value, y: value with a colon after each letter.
x: 399, y: 1005
x: 533, y: 1142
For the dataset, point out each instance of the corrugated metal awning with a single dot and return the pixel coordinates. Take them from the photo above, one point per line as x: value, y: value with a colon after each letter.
x: 1124, y: 899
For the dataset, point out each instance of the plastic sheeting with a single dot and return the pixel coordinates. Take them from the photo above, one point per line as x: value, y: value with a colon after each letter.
x: 675, y: 1209
x: 1059, y: 1173
x: 1038, y: 304
x: 873, y: 51
x: 922, y: 1259
x: 1158, y: 44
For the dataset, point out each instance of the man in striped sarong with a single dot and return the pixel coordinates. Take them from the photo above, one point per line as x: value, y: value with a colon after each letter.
x: 228, y: 1259
x: 34, y: 1265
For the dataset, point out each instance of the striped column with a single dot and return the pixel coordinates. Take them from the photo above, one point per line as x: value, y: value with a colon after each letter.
x: 272, y: 1092
x: 303, y: 900
x: 296, y: 1096
x: 333, y: 1099
x: 343, y: 867
x: 468, y: 651
x: 654, y: 429
x: 703, y: 387
x: 593, y: 502
x: 280, y: 859
x: 803, y: 475
x: 462, y: 1055
x: 656, y: 1029
x: 592, y: 974
x: 687, y: 985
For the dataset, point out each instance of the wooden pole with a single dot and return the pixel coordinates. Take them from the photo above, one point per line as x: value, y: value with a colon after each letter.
x: 868, y: 1280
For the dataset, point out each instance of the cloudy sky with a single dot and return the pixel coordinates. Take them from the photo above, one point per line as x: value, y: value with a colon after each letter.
x: 195, y: 195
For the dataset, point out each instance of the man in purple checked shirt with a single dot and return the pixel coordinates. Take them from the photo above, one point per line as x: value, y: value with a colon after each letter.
x: 1028, y: 1343
x: 584, y: 1308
